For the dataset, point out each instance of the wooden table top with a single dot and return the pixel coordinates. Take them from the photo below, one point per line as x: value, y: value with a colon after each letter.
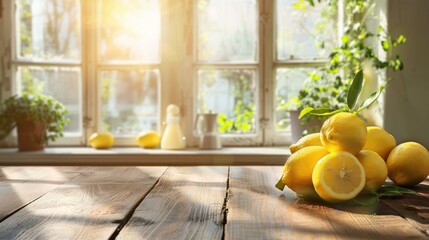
x: 237, y: 202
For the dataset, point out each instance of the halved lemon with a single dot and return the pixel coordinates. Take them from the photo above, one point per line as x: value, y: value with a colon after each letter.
x: 338, y: 176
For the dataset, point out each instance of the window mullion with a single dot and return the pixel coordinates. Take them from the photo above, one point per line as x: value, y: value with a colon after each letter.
x: 90, y: 24
x: 266, y: 120
x: 176, y: 63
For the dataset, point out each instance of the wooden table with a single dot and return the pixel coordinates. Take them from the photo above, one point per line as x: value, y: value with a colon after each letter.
x: 237, y: 202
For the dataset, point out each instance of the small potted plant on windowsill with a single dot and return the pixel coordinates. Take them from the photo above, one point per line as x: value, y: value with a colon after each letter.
x: 38, y: 119
x: 318, y: 91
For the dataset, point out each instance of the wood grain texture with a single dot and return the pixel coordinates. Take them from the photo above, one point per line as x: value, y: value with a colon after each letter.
x: 414, y: 208
x: 257, y: 210
x: 83, y: 208
x: 19, y: 186
x: 185, y: 204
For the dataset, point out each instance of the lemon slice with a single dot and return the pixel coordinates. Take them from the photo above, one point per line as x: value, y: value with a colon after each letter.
x: 338, y: 177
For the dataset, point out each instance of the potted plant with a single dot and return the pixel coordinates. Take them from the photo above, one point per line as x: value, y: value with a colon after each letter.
x: 318, y: 91
x: 38, y: 119
x: 326, y: 88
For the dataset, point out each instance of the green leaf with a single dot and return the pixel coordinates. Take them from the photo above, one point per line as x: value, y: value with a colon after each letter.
x: 371, y: 99
x: 366, y: 200
x: 354, y: 90
x: 395, y: 189
x: 280, y: 185
x: 401, y: 39
x: 385, y: 45
x: 305, y: 111
x: 325, y: 112
x: 345, y: 39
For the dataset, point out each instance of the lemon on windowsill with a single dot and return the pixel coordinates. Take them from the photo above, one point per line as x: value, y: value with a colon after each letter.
x: 102, y: 140
x: 148, y: 139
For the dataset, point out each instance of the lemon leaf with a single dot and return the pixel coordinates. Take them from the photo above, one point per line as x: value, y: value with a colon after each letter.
x: 325, y: 112
x: 280, y: 185
x: 355, y: 89
x: 305, y: 111
x: 320, y: 112
x: 366, y: 200
x: 371, y: 99
x: 394, y: 191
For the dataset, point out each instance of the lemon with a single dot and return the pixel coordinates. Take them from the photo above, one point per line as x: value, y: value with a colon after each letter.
x: 408, y: 164
x: 343, y: 132
x: 375, y: 170
x: 306, y: 141
x: 103, y: 140
x: 338, y: 176
x: 379, y: 141
x: 298, y: 170
x: 148, y: 139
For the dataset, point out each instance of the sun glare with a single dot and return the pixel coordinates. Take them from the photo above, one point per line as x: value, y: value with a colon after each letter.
x: 131, y: 30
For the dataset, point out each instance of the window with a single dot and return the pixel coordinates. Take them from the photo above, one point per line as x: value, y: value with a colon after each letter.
x: 117, y: 64
x: 303, y: 38
x: 227, y: 64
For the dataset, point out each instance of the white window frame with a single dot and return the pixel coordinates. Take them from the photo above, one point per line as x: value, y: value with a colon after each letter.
x: 276, y: 137
x: 177, y: 70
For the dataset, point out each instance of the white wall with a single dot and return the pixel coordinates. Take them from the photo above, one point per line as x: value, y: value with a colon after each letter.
x: 407, y: 96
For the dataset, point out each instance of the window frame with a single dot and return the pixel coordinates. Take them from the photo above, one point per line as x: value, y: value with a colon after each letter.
x: 70, y: 139
x: 178, y: 74
x: 284, y: 137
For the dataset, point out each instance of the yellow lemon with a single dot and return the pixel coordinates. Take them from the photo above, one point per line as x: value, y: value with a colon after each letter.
x: 306, y: 141
x: 103, y: 140
x: 375, y: 170
x: 338, y: 176
x: 148, y: 139
x: 379, y: 141
x: 408, y: 164
x: 343, y: 132
x: 298, y: 170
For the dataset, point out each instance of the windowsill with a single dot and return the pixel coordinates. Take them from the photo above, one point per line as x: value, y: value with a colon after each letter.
x: 85, y: 156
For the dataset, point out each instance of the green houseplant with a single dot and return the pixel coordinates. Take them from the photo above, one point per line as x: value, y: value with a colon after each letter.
x: 38, y: 119
x: 326, y: 88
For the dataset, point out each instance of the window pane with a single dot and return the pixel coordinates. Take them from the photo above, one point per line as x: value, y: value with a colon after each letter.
x: 63, y: 84
x: 49, y: 29
x: 301, y: 33
x: 227, y: 30
x: 129, y: 101
x: 130, y: 31
x: 288, y: 83
x: 232, y: 94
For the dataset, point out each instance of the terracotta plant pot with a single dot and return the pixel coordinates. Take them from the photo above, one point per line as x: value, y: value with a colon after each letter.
x: 30, y: 136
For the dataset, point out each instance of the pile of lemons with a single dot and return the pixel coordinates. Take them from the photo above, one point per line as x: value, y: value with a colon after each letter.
x: 348, y: 158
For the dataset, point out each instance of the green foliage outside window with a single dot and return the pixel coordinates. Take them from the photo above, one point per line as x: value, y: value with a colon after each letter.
x: 327, y: 87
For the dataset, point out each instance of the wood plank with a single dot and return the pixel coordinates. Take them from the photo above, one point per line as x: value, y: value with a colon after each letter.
x: 82, y: 208
x: 414, y: 208
x: 257, y: 210
x: 20, y: 186
x: 185, y: 204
